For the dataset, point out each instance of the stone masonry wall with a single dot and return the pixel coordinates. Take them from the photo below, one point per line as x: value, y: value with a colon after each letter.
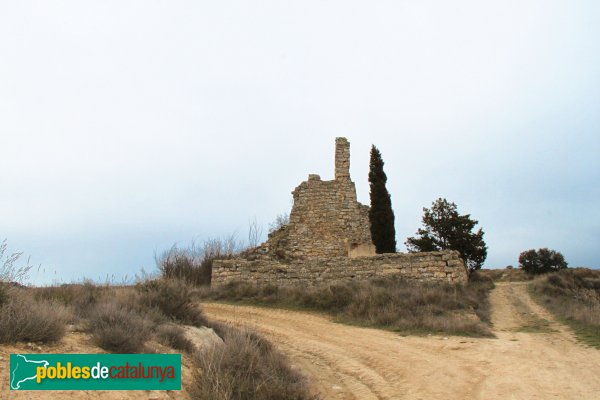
x: 443, y: 266
x: 326, y: 219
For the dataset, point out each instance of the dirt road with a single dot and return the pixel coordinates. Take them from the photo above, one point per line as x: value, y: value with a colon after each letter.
x: 533, y: 357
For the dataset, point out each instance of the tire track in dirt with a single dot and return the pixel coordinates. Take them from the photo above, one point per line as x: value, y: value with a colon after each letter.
x: 349, y: 362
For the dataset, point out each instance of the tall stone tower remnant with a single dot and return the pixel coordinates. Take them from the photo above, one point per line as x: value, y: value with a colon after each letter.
x: 326, y: 219
x: 342, y: 159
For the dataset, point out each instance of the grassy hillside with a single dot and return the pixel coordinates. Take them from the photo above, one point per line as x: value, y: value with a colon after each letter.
x: 390, y: 303
x: 573, y: 295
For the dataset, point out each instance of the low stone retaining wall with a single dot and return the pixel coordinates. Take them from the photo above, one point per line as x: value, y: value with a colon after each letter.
x: 440, y: 266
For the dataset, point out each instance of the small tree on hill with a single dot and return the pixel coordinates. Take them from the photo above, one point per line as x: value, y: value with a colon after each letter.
x: 541, y: 261
x: 445, y: 229
x: 381, y: 215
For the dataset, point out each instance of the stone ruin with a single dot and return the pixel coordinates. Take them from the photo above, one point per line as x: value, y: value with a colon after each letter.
x: 326, y: 219
x: 328, y: 238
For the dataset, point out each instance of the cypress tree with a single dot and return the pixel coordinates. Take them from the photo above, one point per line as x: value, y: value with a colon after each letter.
x: 381, y: 215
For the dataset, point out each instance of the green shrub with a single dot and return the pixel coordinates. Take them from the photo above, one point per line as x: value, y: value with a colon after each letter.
x: 541, y: 261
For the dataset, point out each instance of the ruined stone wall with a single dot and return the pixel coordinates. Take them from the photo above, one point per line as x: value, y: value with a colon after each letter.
x: 328, y: 238
x: 326, y: 219
x: 442, y: 266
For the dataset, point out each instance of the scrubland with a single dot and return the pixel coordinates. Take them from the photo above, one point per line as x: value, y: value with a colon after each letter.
x: 573, y: 296
x: 390, y: 303
x: 152, y: 316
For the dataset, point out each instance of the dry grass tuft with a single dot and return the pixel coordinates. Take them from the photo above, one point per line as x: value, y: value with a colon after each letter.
x: 193, y: 264
x: 121, y: 319
x: 174, y: 337
x: 81, y: 297
x: 573, y: 295
x: 119, y: 329
x: 175, y: 299
x: 23, y: 319
x: 390, y: 303
x: 506, y: 275
x: 246, y: 366
x: 124, y: 319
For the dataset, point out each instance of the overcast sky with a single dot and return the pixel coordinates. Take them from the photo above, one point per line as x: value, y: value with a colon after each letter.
x: 127, y: 126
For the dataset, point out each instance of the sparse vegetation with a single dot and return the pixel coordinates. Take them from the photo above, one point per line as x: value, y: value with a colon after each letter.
x: 255, y: 233
x: 10, y: 272
x: 127, y: 319
x: 505, y: 275
x: 280, y: 221
x: 23, y: 319
x: 384, y: 302
x: 246, y: 366
x: 573, y: 295
x: 194, y: 263
x: 174, y: 336
x: 529, y: 321
x: 541, y: 261
x: 118, y: 329
x: 80, y: 297
x: 123, y: 318
x: 174, y: 298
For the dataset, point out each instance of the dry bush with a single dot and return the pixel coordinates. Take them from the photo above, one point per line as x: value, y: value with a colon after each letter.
x: 427, y: 307
x: 174, y: 337
x: 3, y: 293
x: 279, y: 222
x: 574, y: 296
x: 478, y: 290
x: 245, y: 366
x: 194, y: 263
x: 174, y: 298
x: 23, y: 319
x: 9, y: 270
x: 122, y: 319
x: 119, y: 329
x: 179, y: 265
x: 384, y: 302
x: 82, y: 297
